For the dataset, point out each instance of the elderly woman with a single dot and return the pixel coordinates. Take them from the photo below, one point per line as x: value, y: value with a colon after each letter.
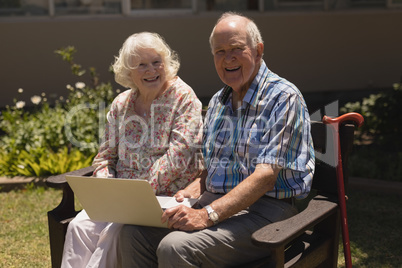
x: 153, y: 133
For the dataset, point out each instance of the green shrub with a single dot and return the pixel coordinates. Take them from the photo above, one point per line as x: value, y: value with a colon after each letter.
x: 382, y: 118
x: 40, y: 162
x: 370, y: 162
x: 32, y: 130
x: 86, y: 105
x: 39, y: 141
x: 378, y: 150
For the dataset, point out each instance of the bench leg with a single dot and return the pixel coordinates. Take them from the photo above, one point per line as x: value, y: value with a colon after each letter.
x: 58, y: 220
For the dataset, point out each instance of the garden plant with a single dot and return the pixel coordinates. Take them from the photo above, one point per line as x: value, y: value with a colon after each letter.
x: 53, y: 138
x: 378, y: 152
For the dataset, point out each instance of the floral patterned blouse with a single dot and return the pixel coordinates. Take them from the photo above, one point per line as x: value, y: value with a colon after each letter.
x: 164, y: 149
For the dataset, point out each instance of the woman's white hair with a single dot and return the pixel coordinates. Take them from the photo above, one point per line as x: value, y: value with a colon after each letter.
x: 124, y: 63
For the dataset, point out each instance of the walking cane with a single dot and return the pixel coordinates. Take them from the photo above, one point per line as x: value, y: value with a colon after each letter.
x: 334, y: 122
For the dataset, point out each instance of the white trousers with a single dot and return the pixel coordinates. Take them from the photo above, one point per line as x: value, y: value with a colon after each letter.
x: 91, y: 244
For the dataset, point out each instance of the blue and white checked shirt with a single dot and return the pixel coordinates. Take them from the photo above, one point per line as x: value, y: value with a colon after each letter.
x: 272, y: 126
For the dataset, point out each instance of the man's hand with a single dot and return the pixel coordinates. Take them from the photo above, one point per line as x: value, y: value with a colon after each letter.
x: 186, y: 219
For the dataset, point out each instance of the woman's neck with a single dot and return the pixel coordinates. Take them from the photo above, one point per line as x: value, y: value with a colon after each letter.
x: 144, y: 100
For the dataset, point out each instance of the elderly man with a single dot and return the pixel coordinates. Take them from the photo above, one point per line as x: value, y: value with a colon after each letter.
x: 258, y: 155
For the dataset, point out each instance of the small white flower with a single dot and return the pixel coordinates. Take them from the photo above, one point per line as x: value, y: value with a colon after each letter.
x: 80, y: 85
x: 69, y: 87
x: 43, y: 94
x: 118, y: 90
x: 36, y: 99
x: 79, y: 95
x: 20, y: 90
x: 61, y: 98
x: 20, y: 104
x: 21, y: 166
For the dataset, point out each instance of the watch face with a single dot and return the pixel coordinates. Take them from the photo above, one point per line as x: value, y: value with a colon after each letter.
x: 214, y: 216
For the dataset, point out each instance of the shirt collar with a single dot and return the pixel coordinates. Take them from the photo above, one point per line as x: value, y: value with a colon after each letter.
x: 252, y: 92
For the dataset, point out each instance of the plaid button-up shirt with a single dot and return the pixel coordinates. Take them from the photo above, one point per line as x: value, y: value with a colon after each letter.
x: 272, y: 126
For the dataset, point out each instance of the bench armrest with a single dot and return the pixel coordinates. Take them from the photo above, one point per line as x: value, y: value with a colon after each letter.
x: 280, y: 233
x: 59, y: 181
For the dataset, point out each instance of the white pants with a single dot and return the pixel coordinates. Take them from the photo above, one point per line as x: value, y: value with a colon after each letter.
x: 91, y: 244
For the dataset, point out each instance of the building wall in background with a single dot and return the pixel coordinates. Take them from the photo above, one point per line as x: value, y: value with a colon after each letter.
x: 318, y: 51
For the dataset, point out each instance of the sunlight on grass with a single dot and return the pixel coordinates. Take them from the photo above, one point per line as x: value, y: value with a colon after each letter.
x: 24, y: 240
x: 374, y: 229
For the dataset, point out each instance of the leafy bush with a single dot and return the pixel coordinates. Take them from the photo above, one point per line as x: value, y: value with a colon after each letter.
x: 373, y: 163
x: 39, y: 162
x: 26, y: 131
x: 383, y: 118
x: 378, y: 152
x: 40, y: 141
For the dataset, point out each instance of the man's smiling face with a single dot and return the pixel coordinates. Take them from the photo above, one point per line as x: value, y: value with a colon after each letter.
x: 236, y: 60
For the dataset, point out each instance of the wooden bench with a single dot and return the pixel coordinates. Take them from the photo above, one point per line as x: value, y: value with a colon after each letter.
x: 308, y: 239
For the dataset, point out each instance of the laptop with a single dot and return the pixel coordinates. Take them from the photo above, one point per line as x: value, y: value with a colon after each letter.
x: 126, y: 201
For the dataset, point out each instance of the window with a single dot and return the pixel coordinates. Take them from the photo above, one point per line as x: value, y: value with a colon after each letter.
x: 172, y: 7
x: 367, y: 3
x: 69, y: 7
x: 225, y: 5
x: 24, y: 7
x: 394, y: 3
x: 158, y: 6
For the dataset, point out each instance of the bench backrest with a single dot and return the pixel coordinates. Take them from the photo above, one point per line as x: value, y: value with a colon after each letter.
x: 326, y: 147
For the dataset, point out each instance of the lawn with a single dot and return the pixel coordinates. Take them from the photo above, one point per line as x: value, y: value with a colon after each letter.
x: 24, y: 238
x: 374, y: 220
x: 374, y: 229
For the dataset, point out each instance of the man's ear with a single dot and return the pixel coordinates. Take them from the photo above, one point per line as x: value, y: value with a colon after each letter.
x: 260, y: 51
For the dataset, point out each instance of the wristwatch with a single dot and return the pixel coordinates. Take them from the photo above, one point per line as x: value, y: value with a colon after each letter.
x: 212, y: 215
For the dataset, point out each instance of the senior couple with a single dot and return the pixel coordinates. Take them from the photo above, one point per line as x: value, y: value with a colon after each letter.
x: 257, y: 154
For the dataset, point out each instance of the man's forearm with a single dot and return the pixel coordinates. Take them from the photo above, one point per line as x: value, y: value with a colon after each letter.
x: 247, y: 192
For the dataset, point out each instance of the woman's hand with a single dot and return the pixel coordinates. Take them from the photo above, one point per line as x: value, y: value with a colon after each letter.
x: 180, y: 195
x: 186, y: 219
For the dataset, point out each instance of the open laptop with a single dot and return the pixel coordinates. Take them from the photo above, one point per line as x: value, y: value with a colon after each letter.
x: 125, y: 201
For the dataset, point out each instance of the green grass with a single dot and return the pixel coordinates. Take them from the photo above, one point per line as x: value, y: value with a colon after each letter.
x: 24, y: 238
x: 374, y: 229
x: 374, y: 226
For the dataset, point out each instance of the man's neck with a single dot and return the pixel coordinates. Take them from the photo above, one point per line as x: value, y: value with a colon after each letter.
x: 237, y: 99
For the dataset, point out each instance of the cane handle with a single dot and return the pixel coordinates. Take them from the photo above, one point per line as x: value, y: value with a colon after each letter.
x: 354, y: 117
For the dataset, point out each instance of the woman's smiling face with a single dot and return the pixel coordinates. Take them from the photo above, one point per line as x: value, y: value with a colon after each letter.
x: 149, y: 73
